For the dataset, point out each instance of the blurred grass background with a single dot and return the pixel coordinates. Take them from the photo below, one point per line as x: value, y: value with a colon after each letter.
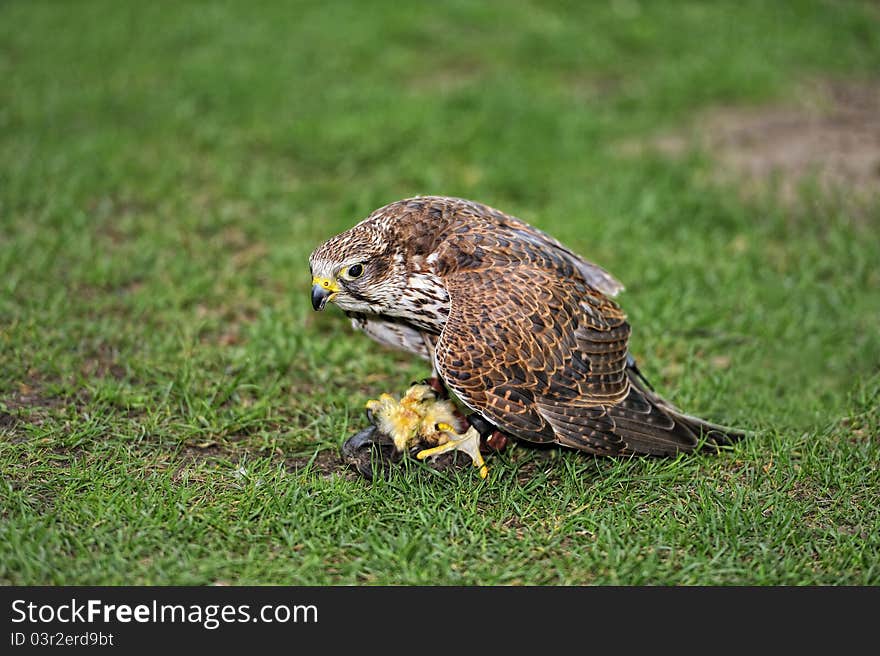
x: 166, y: 168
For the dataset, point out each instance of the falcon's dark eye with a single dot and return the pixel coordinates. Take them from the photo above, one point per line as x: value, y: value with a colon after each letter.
x: 354, y: 271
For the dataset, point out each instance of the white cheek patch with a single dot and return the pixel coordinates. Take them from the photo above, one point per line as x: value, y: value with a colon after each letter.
x: 424, y: 282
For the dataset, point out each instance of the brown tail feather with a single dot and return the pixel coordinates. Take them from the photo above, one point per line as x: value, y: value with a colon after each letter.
x: 652, y: 425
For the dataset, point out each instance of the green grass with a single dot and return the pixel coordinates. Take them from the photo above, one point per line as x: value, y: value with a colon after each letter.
x: 166, y: 168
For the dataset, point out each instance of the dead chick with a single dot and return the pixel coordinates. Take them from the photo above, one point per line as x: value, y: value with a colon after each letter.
x: 420, y: 418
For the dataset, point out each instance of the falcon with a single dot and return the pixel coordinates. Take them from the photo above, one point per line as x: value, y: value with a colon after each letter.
x: 522, y: 330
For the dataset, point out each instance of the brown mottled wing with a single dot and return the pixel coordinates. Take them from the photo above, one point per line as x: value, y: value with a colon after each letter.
x: 530, y: 236
x: 597, y: 277
x: 532, y: 346
x: 528, y: 343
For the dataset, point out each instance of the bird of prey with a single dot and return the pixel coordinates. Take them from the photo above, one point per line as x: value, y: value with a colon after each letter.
x: 520, y: 328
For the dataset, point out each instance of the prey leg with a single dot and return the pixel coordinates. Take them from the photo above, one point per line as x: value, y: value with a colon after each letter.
x: 467, y: 442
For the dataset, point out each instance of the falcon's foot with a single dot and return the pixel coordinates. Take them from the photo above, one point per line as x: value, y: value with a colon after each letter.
x: 469, y: 443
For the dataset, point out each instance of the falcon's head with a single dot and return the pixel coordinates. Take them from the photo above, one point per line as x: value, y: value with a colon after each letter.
x: 361, y: 270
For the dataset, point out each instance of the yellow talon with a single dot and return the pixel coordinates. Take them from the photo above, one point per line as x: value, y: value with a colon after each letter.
x: 436, y: 451
x: 468, y: 442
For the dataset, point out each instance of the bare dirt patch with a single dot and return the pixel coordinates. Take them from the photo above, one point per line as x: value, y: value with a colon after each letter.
x: 827, y: 136
x: 327, y: 463
x: 27, y: 404
x: 30, y: 395
x: 101, y: 361
x: 7, y: 421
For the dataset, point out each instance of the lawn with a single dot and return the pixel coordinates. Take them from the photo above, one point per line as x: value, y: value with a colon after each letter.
x: 171, y: 409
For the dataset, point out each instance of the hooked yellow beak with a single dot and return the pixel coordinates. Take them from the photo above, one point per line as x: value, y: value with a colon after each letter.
x: 323, y: 290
